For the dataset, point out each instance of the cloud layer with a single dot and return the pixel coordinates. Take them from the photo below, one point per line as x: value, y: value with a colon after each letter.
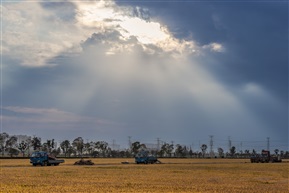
x: 100, y: 68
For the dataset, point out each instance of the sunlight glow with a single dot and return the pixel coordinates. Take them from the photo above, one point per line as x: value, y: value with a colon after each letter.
x: 104, y: 15
x: 146, y: 32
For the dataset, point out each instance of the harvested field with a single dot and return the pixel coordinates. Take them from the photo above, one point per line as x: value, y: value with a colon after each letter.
x: 174, y: 175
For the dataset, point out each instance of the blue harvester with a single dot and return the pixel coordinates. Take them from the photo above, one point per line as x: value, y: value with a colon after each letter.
x: 143, y: 158
x: 42, y: 158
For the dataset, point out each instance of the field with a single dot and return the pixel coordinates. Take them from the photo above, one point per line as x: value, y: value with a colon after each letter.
x: 174, y: 175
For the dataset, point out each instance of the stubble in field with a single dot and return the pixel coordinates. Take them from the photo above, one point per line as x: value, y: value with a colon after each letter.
x: 174, y: 175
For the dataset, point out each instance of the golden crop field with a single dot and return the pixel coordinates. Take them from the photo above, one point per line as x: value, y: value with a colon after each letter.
x: 173, y: 175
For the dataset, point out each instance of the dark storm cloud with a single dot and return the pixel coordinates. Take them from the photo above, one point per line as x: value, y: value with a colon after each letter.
x: 119, y: 87
x: 255, y: 35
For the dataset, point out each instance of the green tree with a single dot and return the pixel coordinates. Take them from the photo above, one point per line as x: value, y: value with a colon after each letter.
x: 70, y: 151
x: 221, y: 152
x: 13, y: 151
x: 3, y: 138
x: 102, y: 146
x: 36, y: 143
x: 11, y: 142
x: 56, y: 152
x: 166, y: 150
x: 28, y: 141
x: 11, y: 146
x: 65, y: 145
x: 180, y: 151
x: 22, y: 147
x: 89, y: 147
x: 50, y: 145
x: 232, y: 151
x: 78, y: 145
x: 135, y: 146
x: 204, y: 149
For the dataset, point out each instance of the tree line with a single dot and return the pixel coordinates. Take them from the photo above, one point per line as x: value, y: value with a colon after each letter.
x: 11, y: 146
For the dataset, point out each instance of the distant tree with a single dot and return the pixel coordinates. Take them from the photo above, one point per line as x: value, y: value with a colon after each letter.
x: 232, y: 151
x: 11, y: 142
x: 143, y: 146
x: 102, y: 146
x: 135, y: 146
x: 114, y: 153
x: 247, y: 153
x: 36, y: 143
x: 108, y: 152
x: 241, y: 152
x: 95, y: 153
x: 13, y: 151
x: 28, y: 141
x: 44, y: 147
x: 286, y: 154
x: 221, y: 152
x: 50, y: 145
x: 191, y: 153
x: 166, y: 150
x: 89, y: 147
x: 282, y: 153
x: 11, y: 146
x: 3, y: 138
x: 204, y: 149
x: 78, y: 145
x: 56, y: 152
x: 22, y: 147
x: 180, y: 150
x: 276, y: 151
x: 70, y: 151
x: 65, y: 145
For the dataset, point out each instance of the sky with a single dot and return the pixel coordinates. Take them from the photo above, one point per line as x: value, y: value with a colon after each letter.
x: 177, y: 71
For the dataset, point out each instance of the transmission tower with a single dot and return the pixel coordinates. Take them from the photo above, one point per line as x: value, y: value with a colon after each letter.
x: 229, y: 143
x: 268, y: 143
x: 129, y: 142
x: 211, y: 145
x: 158, y: 143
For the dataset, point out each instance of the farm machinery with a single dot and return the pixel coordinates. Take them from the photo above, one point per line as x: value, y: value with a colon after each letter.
x: 265, y: 157
x: 144, y: 158
x: 44, y: 159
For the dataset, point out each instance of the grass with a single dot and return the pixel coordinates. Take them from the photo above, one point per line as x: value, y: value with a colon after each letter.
x: 175, y: 175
